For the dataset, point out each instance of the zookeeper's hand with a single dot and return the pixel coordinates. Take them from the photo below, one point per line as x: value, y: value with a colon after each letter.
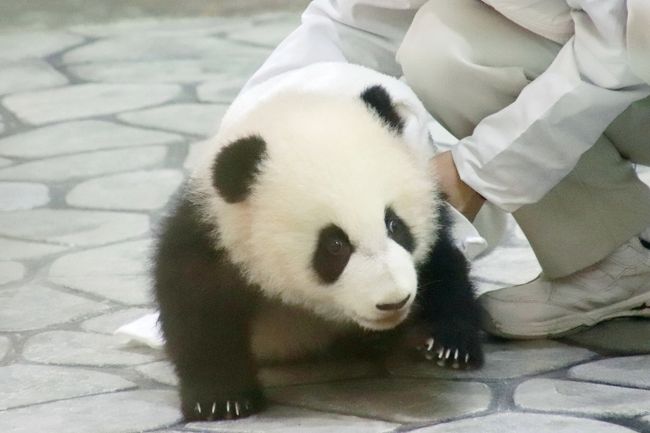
x: 459, y: 194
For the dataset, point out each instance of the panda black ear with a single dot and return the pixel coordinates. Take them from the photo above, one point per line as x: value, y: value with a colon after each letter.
x: 236, y: 166
x: 378, y: 100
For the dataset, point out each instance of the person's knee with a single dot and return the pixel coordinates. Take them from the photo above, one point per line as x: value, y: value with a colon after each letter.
x: 434, y: 61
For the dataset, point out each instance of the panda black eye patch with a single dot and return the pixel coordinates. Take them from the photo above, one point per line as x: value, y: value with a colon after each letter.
x: 332, y: 253
x: 398, y: 230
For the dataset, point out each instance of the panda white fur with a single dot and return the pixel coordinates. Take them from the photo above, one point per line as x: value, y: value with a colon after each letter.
x: 310, y: 224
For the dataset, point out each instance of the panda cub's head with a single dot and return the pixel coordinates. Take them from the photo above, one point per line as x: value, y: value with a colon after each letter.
x: 318, y: 201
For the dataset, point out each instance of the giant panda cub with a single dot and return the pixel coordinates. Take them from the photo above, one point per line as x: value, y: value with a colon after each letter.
x: 310, y: 224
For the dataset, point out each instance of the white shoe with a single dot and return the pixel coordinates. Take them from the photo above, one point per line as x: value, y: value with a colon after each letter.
x: 617, y: 286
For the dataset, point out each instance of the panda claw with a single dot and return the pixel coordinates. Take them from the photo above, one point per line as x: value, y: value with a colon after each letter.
x: 447, y: 354
x: 214, y: 408
x: 455, y: 356
x: 467, y: 358
x: 237, y: 408
x: 441, y: 352
x: 198, y: 408
x: 430, y: 343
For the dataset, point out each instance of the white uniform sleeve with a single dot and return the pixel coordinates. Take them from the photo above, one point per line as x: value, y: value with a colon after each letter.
x: 516, y: 155
x: 366, y: 32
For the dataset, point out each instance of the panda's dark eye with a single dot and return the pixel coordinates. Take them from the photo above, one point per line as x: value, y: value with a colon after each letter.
x: 393, y: 225
x: 398, y: 230
x: 335, y: 246
x: 332, y: 253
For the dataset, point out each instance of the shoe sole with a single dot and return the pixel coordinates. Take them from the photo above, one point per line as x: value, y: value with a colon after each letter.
x: 639, y: 306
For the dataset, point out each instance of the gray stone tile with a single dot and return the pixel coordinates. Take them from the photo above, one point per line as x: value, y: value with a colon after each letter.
x: 22, y: 385
x: 269, y: 33
x: 564, y: 396
x: 23, y: 309
x: 5, y: 346
x: 21, y: 195
x: 2, y: 125
x: 507, y: 265
x: 80, y: 136
x: 628, y: 371
x: 223, y: 91
x: 108, y: 323
x: 141, y: 190
x: 118, y: 272
x: 63, y: 168
x: 73, y: 227
x: 525, y: 423
x: 152, y: 47
x: 316, y: 372
x: 279, y: 419
x: 624, y: 336
x: 503, y: 361
x: 24, y: 45
x: 89, y: 349
x: 11, y: 249
x: 28, y: 75
x: 159, y: 71
x: 87, y: 100
x: 199, y: 119
x: 11, y: 271
x: 4, y: 162
x: 398, y: 400
x: 121, y: 412
x: 161, y: 371
x: 162, y: 26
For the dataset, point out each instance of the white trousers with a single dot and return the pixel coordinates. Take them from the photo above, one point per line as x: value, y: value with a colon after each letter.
x: 466, y: 61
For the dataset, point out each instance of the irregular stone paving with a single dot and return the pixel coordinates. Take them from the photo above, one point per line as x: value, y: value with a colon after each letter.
x: 99, y: 125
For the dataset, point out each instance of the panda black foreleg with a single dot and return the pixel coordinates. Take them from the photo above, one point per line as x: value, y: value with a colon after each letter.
x: 447, y: 304
x: 205, y: 309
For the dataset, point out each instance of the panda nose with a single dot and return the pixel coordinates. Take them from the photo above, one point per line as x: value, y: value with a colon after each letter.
x: 394, y: 306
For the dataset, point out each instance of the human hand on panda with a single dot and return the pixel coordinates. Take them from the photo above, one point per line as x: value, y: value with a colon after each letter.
x: 460, y: 195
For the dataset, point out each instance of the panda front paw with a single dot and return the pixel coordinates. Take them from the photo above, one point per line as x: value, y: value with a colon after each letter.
x: 213, y: 407
x: 454, y: 347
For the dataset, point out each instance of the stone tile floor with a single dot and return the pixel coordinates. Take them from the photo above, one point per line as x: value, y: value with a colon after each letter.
x: 98, y: 127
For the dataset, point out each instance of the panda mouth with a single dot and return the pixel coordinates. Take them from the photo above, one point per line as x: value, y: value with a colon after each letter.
x: 383, y: 323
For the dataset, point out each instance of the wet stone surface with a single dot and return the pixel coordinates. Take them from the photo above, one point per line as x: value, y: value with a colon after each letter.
x: 99, y: 124
x: 28, y: 75
x: 279, y: 419
x: 77, y: 228
x: 18, y: 384
x: 10, y: 272
x: 629, y: 371
x: 80, y: 136
x: 566, y: 396
x: 140, y: 190
x: 23, y: 309
x: 22, y: 195
x: 87, y: 349
x: 86, y: 100
x: 525, y: 423
x: 120, y: 412
x: 94, y: 271
x: 397, y: 400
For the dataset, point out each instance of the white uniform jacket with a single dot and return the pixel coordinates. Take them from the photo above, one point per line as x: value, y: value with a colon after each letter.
x: 518, y: 154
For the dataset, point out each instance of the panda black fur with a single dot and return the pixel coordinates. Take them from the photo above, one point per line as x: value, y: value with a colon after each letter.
x: 309, y: 224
